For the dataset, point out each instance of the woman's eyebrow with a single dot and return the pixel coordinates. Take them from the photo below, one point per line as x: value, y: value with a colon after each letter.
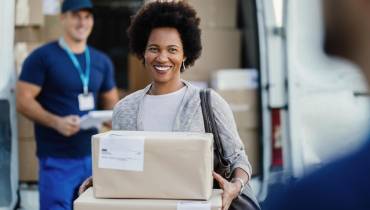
x: 173, y: 45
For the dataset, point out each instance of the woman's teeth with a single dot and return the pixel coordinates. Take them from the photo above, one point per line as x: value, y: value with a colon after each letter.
x: 162, y: 68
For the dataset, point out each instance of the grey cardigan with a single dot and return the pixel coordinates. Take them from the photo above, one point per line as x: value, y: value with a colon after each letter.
x: 127, y: 115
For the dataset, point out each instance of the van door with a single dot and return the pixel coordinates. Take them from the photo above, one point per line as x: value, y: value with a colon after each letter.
x: 8, y: 134
x: 328, y: 108
x: 271, y: 35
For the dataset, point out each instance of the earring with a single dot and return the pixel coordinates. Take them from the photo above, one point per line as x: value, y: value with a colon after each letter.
x: 183, y: 65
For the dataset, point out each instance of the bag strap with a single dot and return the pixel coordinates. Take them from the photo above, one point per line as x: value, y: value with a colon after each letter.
x: 210, y: 124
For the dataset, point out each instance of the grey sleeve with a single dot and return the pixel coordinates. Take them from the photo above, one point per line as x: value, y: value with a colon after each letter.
x: 125, y: 112
x: 229, y: 135
x: 117, y: 112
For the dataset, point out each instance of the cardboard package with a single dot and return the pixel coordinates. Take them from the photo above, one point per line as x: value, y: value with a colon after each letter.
x: 29, y: 13
x: 28, y: 34
x: 163, y: 165
x: 28, y: 164
x: 50, y: 31
x: 221, y: 50
x: 241, y: 94
x: 244, y: 104
x: 251, y: 141
x: 52, y: 28
x: 241, y: 79
x: 87, y: 202
x: 245, y: 116
x: 216, y: 13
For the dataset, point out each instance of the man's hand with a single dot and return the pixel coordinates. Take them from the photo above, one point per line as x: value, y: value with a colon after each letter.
x: 230, y: 190
x: 85, y: 185
x: 67, y: 125
x: 108, y: 125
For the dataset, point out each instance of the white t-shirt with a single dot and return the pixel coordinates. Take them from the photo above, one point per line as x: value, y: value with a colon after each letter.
x: 159, y: 111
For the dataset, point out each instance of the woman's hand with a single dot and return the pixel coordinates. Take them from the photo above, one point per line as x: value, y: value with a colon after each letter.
x: 85, y: 185
x: 231, y: 190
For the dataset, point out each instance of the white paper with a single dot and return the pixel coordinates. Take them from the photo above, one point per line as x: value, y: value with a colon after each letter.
x: 122, y: 153
x: 193, y: 205
x: 86, y: 101
x: 51, y: 7
x: 94, y: 119
x: 241, y: 79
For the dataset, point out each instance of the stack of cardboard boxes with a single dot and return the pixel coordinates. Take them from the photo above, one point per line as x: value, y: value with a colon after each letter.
x: 221, y: 40
x: 242, y: 96
x: 36, y: 22
x: 151, y: 171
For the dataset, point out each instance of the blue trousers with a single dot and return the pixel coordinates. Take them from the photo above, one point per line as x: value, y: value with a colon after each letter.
x: 59, y: 180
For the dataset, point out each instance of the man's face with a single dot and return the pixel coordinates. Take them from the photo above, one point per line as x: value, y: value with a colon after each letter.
x: 78, y: 25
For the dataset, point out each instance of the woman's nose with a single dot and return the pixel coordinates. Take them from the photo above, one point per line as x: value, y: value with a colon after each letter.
x: 162, y: 57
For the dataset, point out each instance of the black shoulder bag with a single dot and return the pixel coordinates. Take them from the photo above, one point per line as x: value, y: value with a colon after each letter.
x: 223, y: 167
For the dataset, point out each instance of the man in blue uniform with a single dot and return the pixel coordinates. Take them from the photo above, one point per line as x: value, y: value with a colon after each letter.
x: 345, y: 183
x: 59, y: 82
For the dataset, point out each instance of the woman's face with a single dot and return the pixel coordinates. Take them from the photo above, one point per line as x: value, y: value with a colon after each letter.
x: 164, y: 55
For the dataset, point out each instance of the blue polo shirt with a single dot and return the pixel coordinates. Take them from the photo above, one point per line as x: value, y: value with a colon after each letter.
x: 50, y: 68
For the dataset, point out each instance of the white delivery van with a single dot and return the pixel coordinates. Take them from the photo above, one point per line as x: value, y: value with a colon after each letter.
x: 8, y: 131
x: 312, y: 107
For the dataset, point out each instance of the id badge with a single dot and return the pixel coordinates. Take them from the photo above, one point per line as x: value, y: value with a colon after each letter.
x: 86, y: 101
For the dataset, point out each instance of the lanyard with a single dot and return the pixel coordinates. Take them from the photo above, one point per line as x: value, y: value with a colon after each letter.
x: 85, y: 77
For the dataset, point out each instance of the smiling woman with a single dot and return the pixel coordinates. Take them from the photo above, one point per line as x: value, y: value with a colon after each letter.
x: 163, y: 58
x: 166, y: 37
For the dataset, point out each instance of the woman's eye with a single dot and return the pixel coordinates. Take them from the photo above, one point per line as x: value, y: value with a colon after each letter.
x: 173, y: 50
x: 152, y: 49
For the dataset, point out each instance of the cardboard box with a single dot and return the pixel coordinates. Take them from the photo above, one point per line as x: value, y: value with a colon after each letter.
x: 244, y: 104
x: 28, y: 34
x: 28, y: 163
x: 213, y: 13
x: 251, y: 141
x: 221, y: 50
x: 216, y: 13
x: 50, y: 31
x: 163, y: 165
x: 241, y: 79
x: 138, y: 76
x: 87, y: 202
x: 29, y: 13
x: 52, y: 28
x: 245, y: 117
x: 25, y: 127
x: 240, y: 97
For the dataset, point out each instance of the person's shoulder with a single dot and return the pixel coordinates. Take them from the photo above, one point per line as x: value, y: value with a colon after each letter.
x: 218, y: 100
x: 45, y: 49
x: 130, y: 100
